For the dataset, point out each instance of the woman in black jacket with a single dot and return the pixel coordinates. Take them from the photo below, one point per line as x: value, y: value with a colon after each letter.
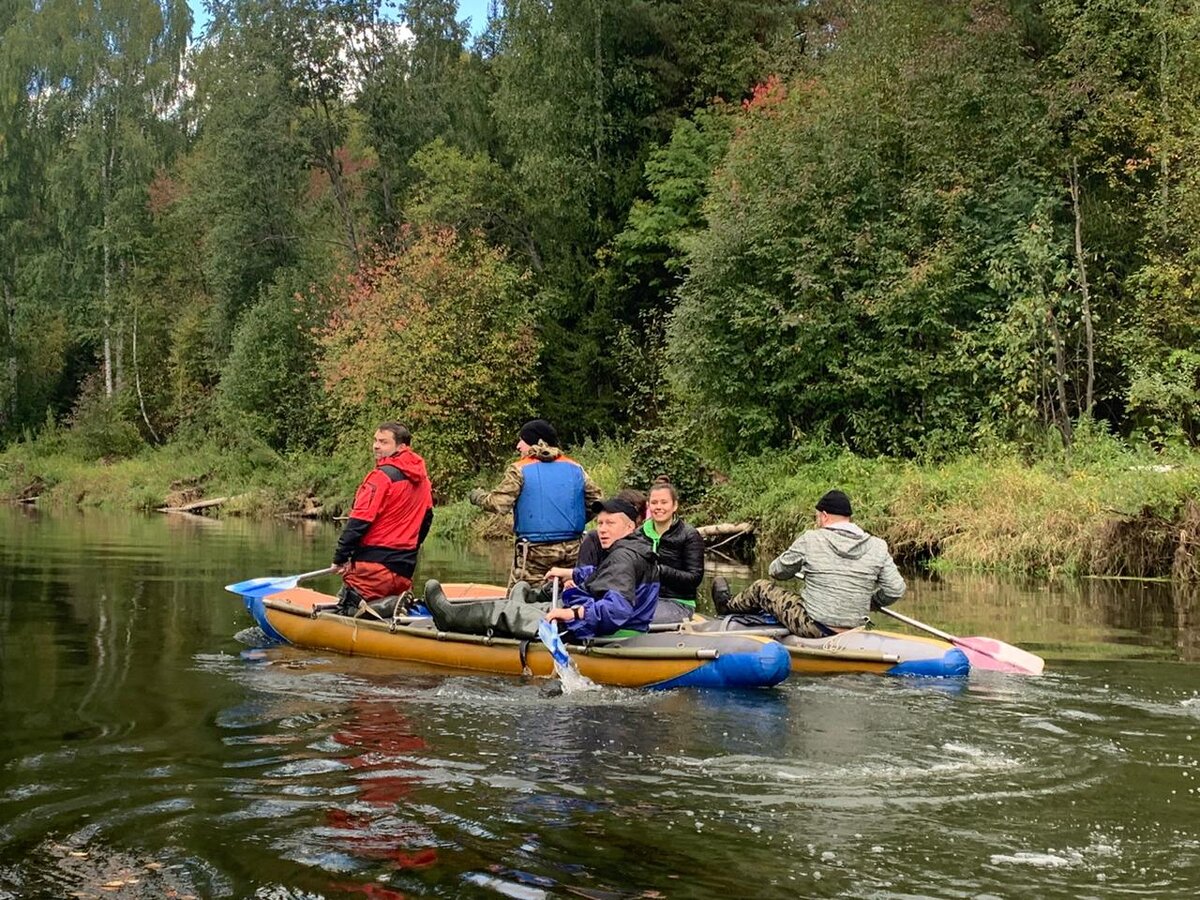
x: 680, y: 551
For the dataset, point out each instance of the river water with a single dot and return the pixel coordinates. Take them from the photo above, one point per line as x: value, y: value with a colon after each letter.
x: 148, y: 750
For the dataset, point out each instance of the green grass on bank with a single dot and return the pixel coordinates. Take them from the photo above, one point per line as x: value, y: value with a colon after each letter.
x: 1107, y: 509
x: 1112, y: 511
x: 259, y: 481
x: 59, y: 473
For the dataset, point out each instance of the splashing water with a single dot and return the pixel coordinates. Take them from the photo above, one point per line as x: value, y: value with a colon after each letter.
x: 573, y: 681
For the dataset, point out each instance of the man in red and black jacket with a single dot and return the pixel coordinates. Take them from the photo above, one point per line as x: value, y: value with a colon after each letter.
x: 393, y: 509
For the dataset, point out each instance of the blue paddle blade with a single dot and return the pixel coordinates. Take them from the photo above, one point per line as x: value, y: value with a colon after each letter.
x: 548, y: 634
x: 259, y: 587
x: 264, y: 587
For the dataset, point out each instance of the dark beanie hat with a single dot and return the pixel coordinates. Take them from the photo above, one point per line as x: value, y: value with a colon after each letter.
x: 836, y: 504
x: 539, y: 430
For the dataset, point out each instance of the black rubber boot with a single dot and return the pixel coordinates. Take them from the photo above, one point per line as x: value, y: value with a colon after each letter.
x: 385, y: 607
x: 524, y: 592
x: 440, y: 608
x: 721, y: 595
x: 348, y: 601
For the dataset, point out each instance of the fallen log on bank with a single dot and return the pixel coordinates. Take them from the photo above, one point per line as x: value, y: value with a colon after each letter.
x: 306, y: 514
x: 724, y: 534
x: 310, y: 508
x: 29, y: 494
x: 198, y: 506
x: 712, y: 532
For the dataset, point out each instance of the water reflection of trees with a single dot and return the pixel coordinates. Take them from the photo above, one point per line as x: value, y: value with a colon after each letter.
x: 1081, y: 618
x: 95, y: 591
x: 1186, y: 602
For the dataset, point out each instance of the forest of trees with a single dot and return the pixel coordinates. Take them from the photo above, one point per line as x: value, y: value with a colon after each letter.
x: 906, y: 228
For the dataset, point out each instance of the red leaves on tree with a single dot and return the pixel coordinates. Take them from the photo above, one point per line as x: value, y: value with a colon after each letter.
x: 766, y: 95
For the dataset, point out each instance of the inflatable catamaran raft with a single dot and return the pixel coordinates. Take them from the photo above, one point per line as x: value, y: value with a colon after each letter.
x: 717, y: 653
x: 658, y: 660
x: 855, y: 650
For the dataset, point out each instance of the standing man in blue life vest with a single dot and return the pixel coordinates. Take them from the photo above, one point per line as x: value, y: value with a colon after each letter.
x: 550, y: 496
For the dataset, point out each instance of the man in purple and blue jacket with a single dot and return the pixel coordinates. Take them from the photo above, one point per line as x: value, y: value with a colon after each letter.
x: 615, y: 598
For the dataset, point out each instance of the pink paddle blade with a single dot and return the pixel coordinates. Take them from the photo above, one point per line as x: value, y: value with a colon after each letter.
x: 982, y: 652
x: 997, y: 656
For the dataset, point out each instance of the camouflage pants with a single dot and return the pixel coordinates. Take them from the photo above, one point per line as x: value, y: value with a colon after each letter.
x: 787, y: 607
x: 531, y: 562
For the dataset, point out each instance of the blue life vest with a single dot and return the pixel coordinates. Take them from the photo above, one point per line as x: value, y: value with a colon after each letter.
x: 550, y: 506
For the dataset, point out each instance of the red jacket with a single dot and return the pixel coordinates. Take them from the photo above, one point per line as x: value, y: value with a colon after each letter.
x: 392, y: 512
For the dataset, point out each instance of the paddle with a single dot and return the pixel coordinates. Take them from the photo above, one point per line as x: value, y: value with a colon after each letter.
x: 982, y: 652
x: 263, y: 587
x: 548, y: 635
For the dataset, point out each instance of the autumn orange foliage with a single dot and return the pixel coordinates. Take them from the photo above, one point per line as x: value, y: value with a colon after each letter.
x: 440, y: 335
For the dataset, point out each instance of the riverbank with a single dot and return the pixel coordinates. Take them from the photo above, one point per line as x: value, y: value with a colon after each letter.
x: 255, y: 481
x: 1115, y: 513
x: 1107, y: 510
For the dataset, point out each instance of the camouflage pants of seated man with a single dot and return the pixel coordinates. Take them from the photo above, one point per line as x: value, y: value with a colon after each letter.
x: 531, y: 562
x: 785, y: 606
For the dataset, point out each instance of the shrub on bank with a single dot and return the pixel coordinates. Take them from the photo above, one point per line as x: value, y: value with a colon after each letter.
x: 435, y: 335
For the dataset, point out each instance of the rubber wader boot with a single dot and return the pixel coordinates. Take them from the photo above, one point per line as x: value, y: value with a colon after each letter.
x: 440, y: 608
x: 348, y: 601
x: 721, y: 595
x: 510, y: 617
x: 386, y: 607
x: 524, y: 592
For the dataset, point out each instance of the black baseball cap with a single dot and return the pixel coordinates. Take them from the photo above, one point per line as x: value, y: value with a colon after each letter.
x: 615, y: 505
